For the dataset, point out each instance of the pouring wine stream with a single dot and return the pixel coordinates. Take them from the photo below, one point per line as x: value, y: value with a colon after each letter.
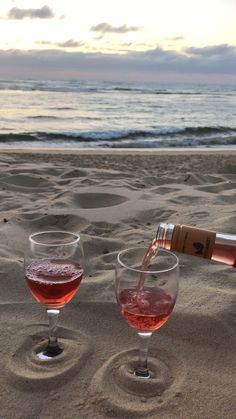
x: 151, y: 252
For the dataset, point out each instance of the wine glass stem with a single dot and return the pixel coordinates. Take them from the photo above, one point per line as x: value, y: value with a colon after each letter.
x: 53, y: 319
x: 142, y: 369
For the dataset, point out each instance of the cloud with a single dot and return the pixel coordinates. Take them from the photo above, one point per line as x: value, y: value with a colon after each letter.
x: 175, y: 38
x: 146, y: 64
x: 211, y: 51
x: 42, y: 13
x: 107, y: 28
x: 70, y: 43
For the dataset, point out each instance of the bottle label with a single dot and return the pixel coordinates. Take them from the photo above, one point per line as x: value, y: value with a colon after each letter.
x: 193, y: 241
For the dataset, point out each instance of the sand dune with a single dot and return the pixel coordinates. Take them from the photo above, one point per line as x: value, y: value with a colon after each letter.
x: 115, y: 200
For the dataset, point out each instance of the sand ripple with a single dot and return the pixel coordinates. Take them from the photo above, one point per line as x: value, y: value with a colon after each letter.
x: 116, y: 386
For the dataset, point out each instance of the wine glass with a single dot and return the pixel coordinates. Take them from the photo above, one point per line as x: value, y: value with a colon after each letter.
x: 146, y: 292
x: 53, y: 268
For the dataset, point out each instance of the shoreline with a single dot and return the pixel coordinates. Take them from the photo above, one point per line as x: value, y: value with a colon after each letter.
x: 117, y: 151
x: 144, y: 161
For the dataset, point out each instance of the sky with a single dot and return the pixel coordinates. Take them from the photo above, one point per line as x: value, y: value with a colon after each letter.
x: 147, y: 40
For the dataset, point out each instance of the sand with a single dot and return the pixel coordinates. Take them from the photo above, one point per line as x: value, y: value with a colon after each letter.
x: 115, y: 199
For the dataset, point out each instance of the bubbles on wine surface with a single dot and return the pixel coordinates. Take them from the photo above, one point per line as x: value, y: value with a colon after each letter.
x: 53, y: 271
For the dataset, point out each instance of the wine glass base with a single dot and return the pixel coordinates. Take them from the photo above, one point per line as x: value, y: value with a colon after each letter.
x: 47, y: 353
x: 145, y: 375
x: 116, y: 386
x: 154, y: 382
x: 30, y: 363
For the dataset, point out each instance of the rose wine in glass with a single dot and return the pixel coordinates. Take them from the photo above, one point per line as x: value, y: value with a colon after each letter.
x: 147, y: 309
x: 146, y: 291
x: 53, y: 282
x: 53, y: 271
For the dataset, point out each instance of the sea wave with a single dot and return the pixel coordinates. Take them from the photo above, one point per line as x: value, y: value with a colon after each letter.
x: 78, y: 86
x: 43, y: 117
x: 161, y: 137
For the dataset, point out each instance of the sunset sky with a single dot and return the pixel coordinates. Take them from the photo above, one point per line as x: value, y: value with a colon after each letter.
x: 156, y: 40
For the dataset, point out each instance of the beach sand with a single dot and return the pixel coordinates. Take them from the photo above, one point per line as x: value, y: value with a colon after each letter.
x: 115, y: 199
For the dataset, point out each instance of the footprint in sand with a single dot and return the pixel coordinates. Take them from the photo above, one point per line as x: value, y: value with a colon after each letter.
x: 188, y: 200
x: 221, y: 187
x: 26, y: 183
x: 223, y: 199
x: 98, y: 200
x: 45, y: 221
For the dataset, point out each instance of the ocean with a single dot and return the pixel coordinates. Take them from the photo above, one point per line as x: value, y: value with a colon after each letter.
x: 81, y: 114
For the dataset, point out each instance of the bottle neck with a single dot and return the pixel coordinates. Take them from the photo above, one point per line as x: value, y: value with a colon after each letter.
x: 164, y: 235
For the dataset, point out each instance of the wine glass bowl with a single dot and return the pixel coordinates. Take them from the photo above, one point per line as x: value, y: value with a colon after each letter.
x: 53, y: 271
x: 146, y: 292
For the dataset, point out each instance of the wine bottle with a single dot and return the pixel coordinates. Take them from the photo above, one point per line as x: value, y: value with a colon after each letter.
x: 194, y: 241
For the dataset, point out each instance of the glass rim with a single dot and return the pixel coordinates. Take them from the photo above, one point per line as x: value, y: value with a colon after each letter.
x: 33, y: 235
x: 175, y: 265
